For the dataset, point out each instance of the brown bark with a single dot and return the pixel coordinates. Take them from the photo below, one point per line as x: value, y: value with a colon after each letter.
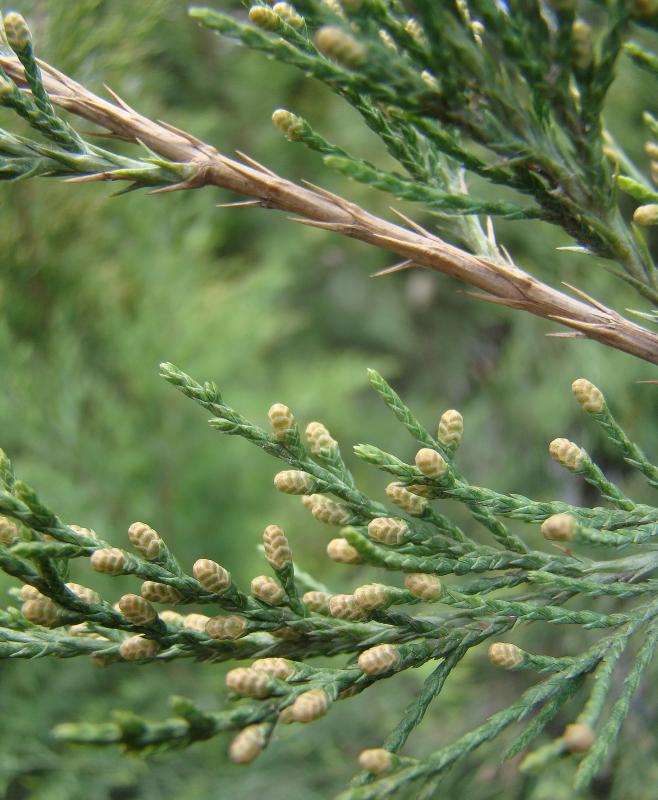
x: 504, y: 283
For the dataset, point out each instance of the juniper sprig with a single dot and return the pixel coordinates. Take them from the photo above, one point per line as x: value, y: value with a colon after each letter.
x: 284, y: 621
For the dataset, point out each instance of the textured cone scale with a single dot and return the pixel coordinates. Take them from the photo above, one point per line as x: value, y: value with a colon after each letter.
x: 231, y: 627
x: 276, y: 547
x: 566, y: 453
x: 317, y: 602
x: 159, y: 592
x: 279, y: 668
x: 308, y: 706
x: 195, y: 622
x: 329, y: 512
x: 341, y: 551
x: 559, y: 528
x: 281, y: 417
x: 248, y: 682
x: 136, y: 609
x: 137, y: 648
x: 590, y: 398
x: 339, y: 45
x: 372, y: 596
x: 247, y: 745
x: 84, y: 593
x: 425, y: 587
x: 377, y: 760
x: 503, y: 654
x: 578, y: 738
x: 41, y: 611
x: 388, y: 530
x: 267, y: 590
x: 211, y: 575
x: 8, y: 531
x: 319, y: 438
x: 344, y: 606
x: 379, y: 659
x: 145, y: 539
x: 264, y: 17
x: 405, y: 499
x: 172, y: 618
x: 109, y: 560
x: 451, y: 428
x: 293, y: 481
x: 290, y: 125
x: 431, y: 463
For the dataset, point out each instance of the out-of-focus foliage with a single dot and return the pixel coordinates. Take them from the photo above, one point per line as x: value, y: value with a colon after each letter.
x: 95, y: 291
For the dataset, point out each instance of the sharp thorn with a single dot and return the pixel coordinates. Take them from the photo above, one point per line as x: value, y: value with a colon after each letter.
x: 501, y: 301
x: 256, y: 164
x: 118, y: 100
x: 418, y: 228
x: 240, y: 204
x: 402, y: 266
x: 188, y: 136
x: 593, y: 301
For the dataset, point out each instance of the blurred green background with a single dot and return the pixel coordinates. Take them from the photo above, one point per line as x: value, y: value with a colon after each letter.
x: 95, y: 291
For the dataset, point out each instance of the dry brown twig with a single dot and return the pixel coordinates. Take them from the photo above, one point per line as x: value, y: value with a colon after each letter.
x: 504, y: 283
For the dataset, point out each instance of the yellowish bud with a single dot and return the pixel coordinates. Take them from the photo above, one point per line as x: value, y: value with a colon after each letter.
x: 137, y: 648
x: 145, y: 539
x: 308, y: 706
x: 109, y: 560
x: 293, y: 481
x: 578, y: 738
x: 653, y: 171
x: 388, y: 530
x: 288, y: 13
x: 290, y: 125
x: 281, y: 417
x: 247, y: 745
x: 582, y: 47
x: 267, y: 590
x: 8, y: 531
x: 559, y: 528
x: 159, y: 592
x: 429, y: 79
x: 567, y: 454
x: 84, y: 593
x: 172, y: 618
x: 87, y: 533
x: 425, y: 587
x: 195, y: 622
x: 651, y: 149
x: 377, y: 760
x: 421, y: 489
x: 279, y: 668
x: 451, y: 428
x: 29, y: 592
x: 327, y: 511
x: 386, y: 38
x: 402, y: 497
x: 211, y: 575
x: 341, y: 551
x: 264, y: 17
x: 17, y: 31
x: 232, y: 627
x: 337, y: 44
x: 319, y: 438
x: 372, y: 596
x: 503, y: 654
x: 318, y: 602
x: 646, y: 215
x: 276, y: 547
x: 248, y: 682
x: 589, y: 396
x: 344, y: 606
x: 41, y: 611
x: 379, y: 659
x: 136, y: 609
x: 414, y: 29
x: 431, y: 463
